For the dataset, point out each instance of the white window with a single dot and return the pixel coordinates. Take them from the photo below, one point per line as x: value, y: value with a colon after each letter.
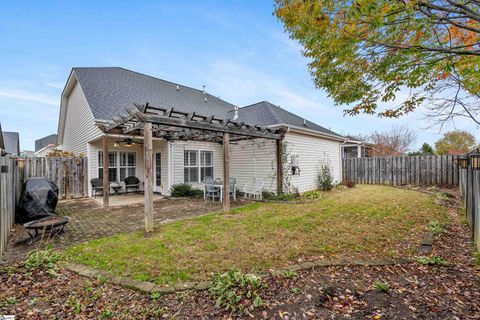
x: 120, y: 165
x: 190, y: 166
x: 128, y: 165
x: 206, y: 165
x: 112, y: 166
x: 197, y: 165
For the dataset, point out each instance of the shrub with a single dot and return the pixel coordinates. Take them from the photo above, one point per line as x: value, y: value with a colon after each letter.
x: 311, y: 195
x: 46, y: 258
x: 381, y: 286
x: 185, y: 190
x: 268, y: 195
x: 325, y: 178
x: 350, y: 184
x: 436, y: 260
x: 436, y: 228
x: 289, y: 274
x: 236, y: 291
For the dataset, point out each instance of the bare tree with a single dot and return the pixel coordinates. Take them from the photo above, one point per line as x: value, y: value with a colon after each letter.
x: 395, y: 142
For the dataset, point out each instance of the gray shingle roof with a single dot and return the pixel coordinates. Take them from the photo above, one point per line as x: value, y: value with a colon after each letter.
x: 45, y: 141
x: 12, y: 142
x: 110, y: 91
x: 267, y: 114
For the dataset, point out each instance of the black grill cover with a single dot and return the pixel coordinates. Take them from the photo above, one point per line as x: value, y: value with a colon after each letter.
x: 38, y: 199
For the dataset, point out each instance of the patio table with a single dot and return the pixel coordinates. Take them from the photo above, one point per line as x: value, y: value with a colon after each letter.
x: 216, y: 184
x: 116, y: 187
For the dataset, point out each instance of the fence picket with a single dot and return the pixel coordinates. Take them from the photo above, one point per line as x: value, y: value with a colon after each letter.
x: 415, y: 170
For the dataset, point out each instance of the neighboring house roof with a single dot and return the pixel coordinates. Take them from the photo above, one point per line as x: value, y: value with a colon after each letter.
x: 267, y: 114
x: 12, y: 142
x: 27, y: 154
x: 48, y: 148
x: 45, y: 141
x: 357, y: 140
x: 110, y: 91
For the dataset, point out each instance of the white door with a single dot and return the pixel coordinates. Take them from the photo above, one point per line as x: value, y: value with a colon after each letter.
x: 157, y: 181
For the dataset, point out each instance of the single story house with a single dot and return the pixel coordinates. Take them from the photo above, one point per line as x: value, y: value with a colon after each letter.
x: 92, y: 97
x: 356, y: 148
x: 27, y: 154
x: 45, y: 145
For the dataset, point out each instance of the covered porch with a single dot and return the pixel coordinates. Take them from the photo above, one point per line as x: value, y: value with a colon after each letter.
x: 129, y: 199
x: 151, y: 124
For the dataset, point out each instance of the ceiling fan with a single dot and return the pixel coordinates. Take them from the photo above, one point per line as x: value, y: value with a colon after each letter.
x: 127, y: 142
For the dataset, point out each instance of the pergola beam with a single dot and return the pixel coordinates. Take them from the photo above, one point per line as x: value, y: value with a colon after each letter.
x: 200, y: 125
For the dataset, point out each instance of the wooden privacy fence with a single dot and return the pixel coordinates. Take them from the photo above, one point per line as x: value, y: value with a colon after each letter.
x: 470, y: 191
x: 414, y: 170
x: 10, y: 188
x: 68, y: 173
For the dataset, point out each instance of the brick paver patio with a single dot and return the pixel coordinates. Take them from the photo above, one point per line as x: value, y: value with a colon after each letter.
x: 89, y: 220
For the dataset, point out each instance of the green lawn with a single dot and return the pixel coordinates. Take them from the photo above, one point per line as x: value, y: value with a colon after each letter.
x: 366, y: 221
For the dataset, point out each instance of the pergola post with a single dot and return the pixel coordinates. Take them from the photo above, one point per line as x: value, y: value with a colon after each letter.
x: 148, y: 183
x: 106, y: 184
x: 226, y: 172
x: 279, y: 152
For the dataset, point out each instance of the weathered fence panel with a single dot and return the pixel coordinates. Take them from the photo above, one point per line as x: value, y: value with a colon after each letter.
x: 68, y: 173
x: 10, y: 187
x: 470, y: 190
x: 415, y: 170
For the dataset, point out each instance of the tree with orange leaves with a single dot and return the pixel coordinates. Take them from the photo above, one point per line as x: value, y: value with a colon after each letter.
x: 363, y: 52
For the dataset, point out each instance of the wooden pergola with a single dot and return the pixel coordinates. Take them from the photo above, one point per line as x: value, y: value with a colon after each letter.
x: 149, y: 121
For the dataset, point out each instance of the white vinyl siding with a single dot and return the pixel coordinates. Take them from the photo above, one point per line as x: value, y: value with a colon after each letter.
x: 79, y: 123
x: 257, y: 158
x: 312, y: 151
x: 254, y: 158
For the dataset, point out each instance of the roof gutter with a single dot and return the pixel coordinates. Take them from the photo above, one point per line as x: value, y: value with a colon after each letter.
x: 310, y: 131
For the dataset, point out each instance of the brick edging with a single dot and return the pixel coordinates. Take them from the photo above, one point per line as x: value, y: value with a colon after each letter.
x: 149, y: 287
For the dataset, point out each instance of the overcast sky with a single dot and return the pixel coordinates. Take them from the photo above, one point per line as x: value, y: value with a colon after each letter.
x: 237, y: 49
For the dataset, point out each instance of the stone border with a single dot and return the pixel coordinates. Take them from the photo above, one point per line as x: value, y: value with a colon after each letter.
x: 149, y: 287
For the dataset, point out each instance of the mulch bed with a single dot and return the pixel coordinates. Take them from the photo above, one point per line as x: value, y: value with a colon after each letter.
x: 416, y: 292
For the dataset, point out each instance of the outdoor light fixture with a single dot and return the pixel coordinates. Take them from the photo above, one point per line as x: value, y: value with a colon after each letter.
x: 116, y: 144
x: 475, y: 160
x: 463, y: 162
x: 129, y: 142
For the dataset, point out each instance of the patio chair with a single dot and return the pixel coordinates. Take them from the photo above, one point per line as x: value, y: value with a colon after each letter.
x: 233, y: 188
x: 97, y: 185
x: 131, y: 182
x: 211, y: 190
x: 253, y: 189
x: 207, y: 180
